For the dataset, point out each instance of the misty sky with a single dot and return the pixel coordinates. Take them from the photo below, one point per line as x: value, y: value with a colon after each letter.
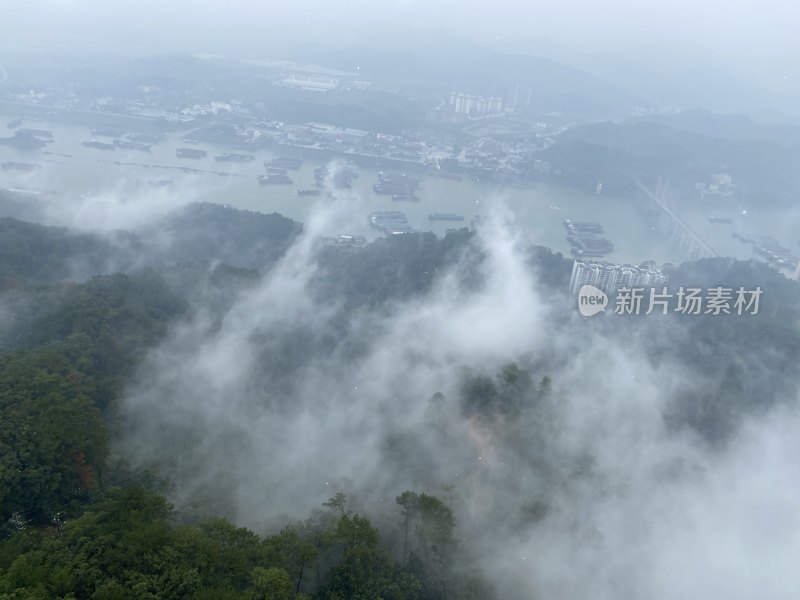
x: 728, y: 31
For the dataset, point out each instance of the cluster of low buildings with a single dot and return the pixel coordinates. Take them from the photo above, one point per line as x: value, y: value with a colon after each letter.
x: 311, y: 83
x: 347, y: 240
x: 483, y: 158
x: 721, y: 186
x: 236, y: 122
x: 770, y: 250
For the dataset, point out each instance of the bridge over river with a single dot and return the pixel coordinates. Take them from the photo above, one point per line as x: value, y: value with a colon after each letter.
x: 679, y: 230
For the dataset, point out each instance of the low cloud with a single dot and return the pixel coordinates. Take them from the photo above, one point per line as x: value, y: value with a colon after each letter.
x: 583, y: 492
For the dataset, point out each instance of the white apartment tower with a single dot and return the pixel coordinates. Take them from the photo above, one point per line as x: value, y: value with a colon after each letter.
x: 609, y: 277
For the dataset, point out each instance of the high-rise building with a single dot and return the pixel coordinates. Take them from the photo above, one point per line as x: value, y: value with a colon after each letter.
x: 494, y: 105
x: 513, y: 96
x: 466, y: 104
x: 610, y: 277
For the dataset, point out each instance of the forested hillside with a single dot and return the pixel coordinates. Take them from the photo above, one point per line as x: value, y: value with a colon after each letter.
x: 32, y: 253
x: 146, y: 415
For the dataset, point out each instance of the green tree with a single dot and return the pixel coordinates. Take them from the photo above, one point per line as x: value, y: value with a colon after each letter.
x: 289, y: 550
x: 409, y: 512
x: 272, y: 584
x: 53, y: 441
x: 366, y: 571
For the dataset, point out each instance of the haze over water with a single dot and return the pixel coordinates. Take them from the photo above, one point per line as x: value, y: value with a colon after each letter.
x: 74, y: 170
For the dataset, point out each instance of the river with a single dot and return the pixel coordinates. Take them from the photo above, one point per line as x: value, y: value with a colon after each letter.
x: 72, y: 170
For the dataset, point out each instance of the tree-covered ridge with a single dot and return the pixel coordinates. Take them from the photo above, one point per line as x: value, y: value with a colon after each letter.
x: 197, y: 233
x: 76, y: 523
x: 398, y: 268
x: 74, y: 528
x: 683, y: 148
x: 57, y: 387
x: 75, y: 533
x: 204, y: 232
x: 128, y: 545
x: 102, y: 327
x: 53, y: 439
x: 38, y: 254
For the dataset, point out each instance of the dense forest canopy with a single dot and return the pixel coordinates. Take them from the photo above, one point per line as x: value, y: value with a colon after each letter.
x: 246, y: 374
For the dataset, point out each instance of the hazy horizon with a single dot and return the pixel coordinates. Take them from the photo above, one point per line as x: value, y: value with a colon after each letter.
x: 755, y: 44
